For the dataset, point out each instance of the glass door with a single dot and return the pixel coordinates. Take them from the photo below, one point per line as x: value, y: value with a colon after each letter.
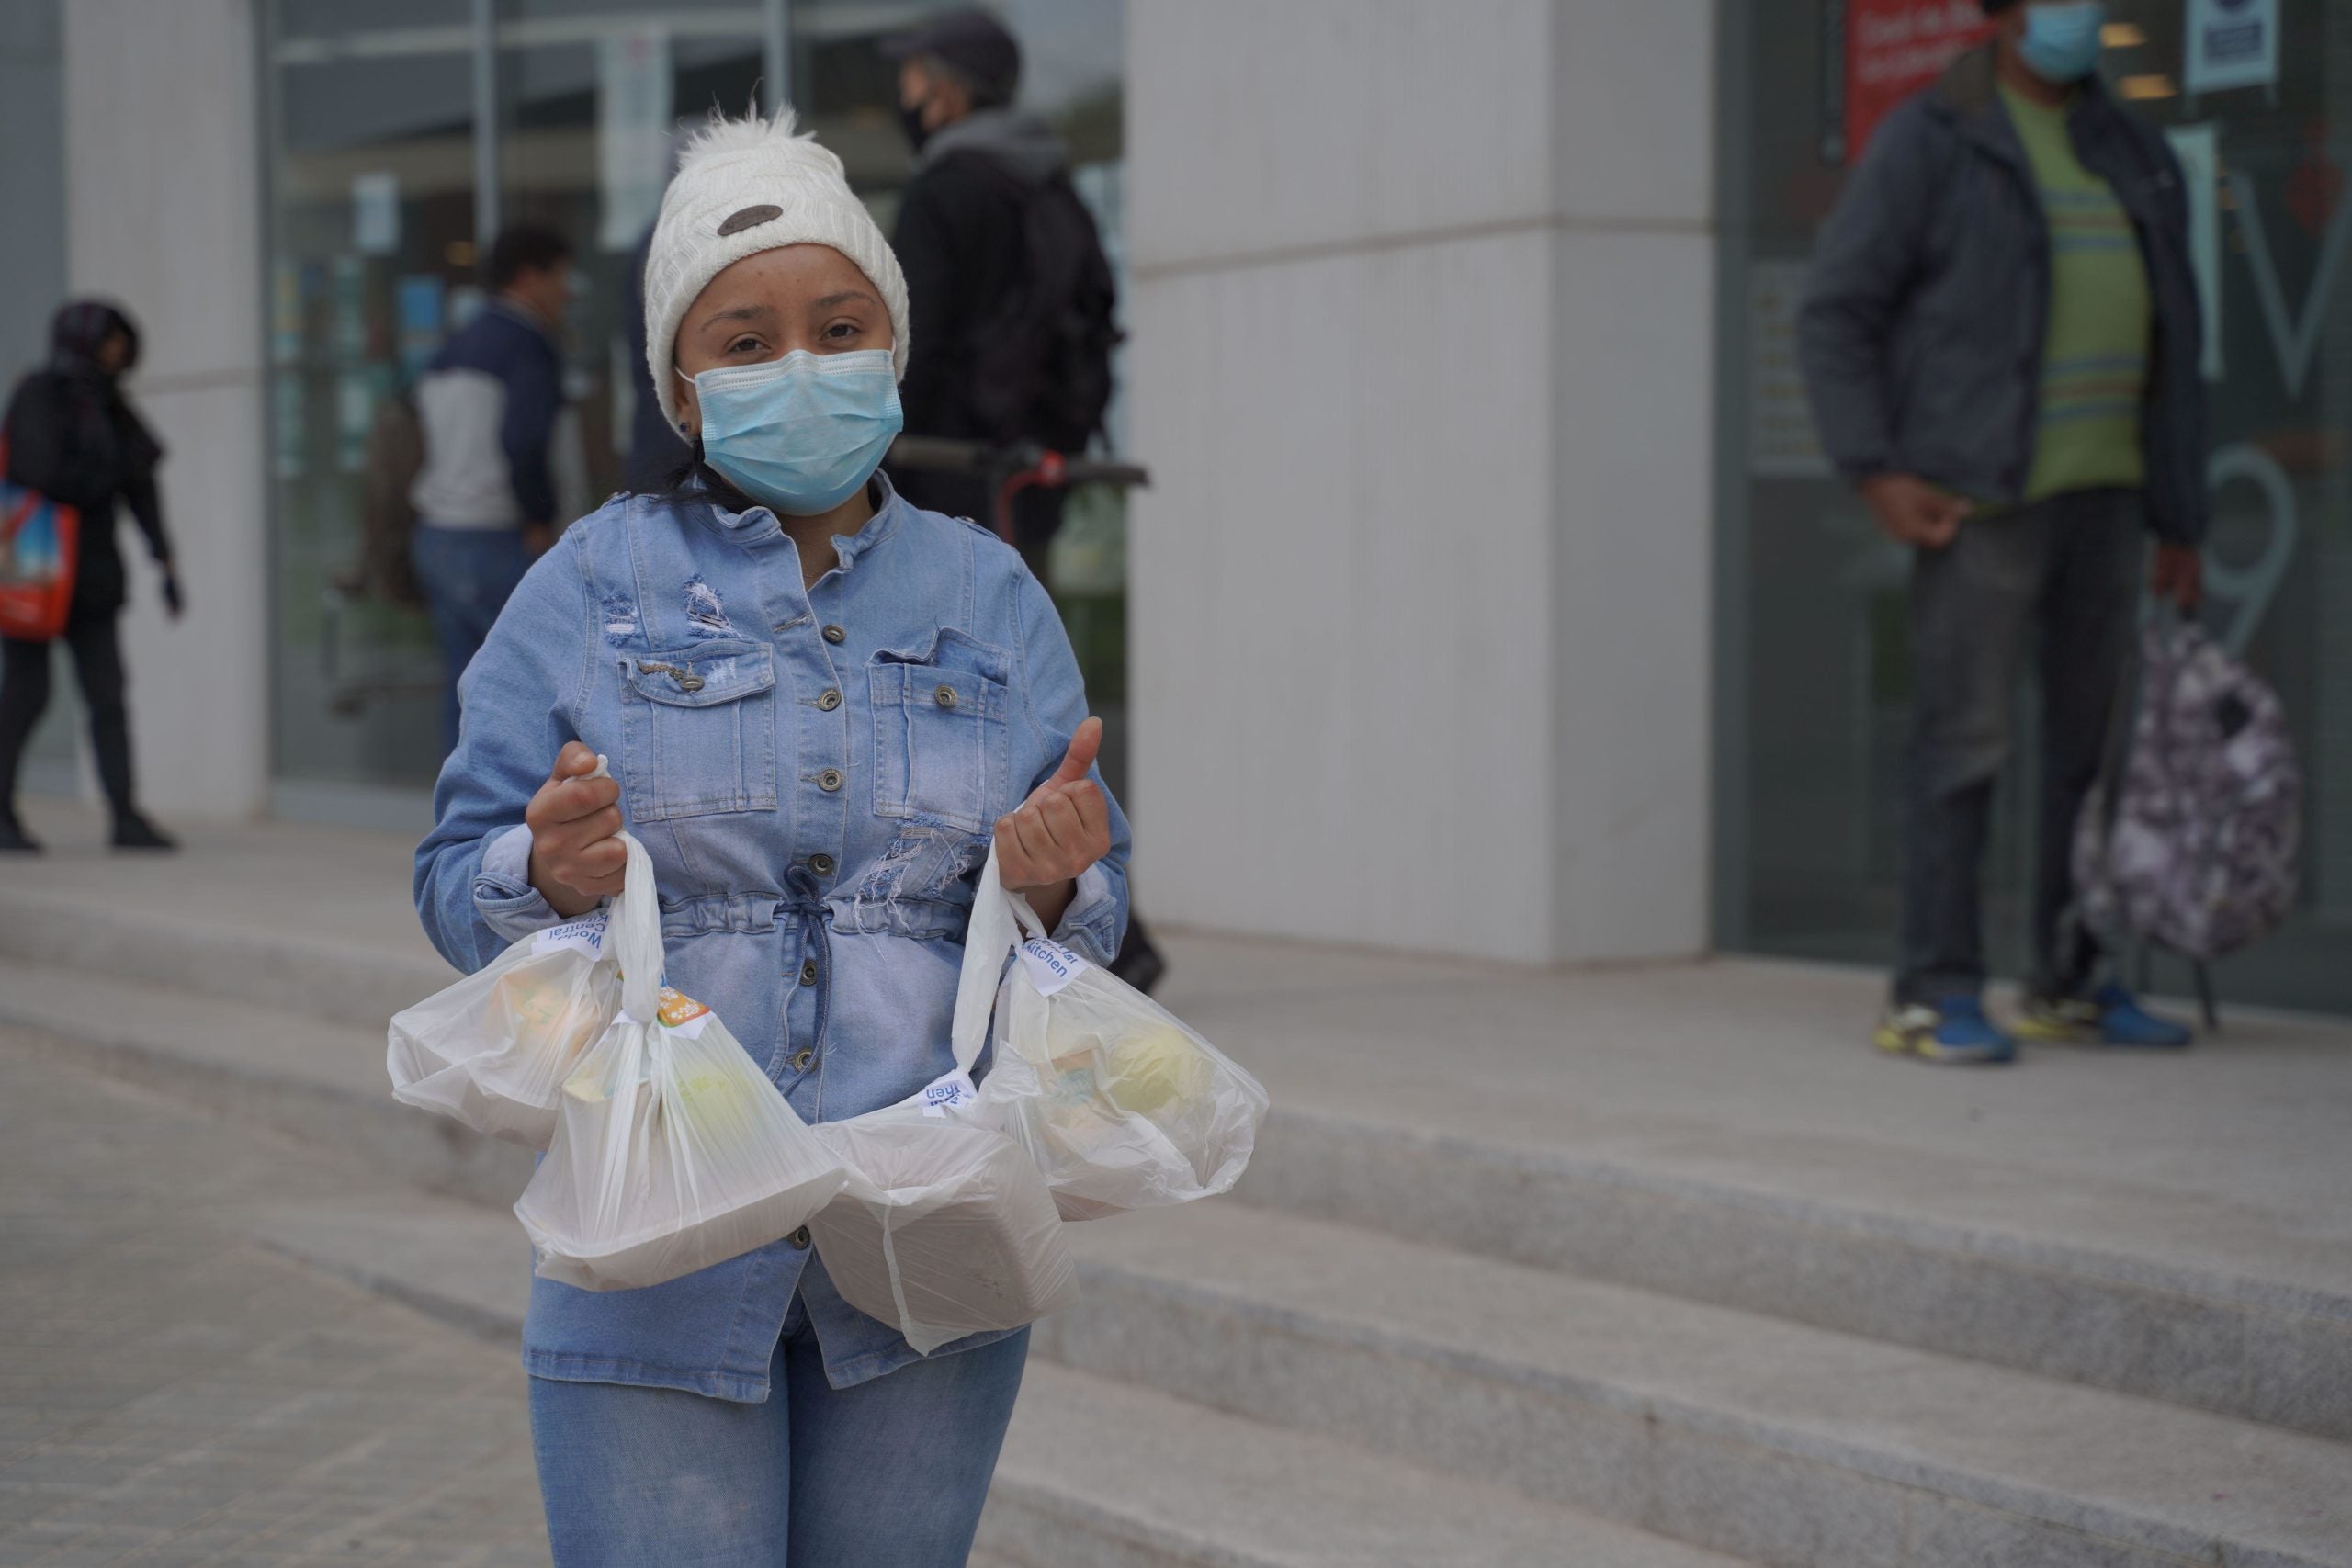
x: 1815, y: 674
x: 372, y: 257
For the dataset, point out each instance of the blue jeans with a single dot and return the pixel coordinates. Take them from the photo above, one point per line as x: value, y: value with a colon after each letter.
x: 888, y: 1473
x: 468, y: 575
x: 2060, y: 578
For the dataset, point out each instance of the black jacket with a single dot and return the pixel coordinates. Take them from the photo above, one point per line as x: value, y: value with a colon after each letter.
x: 1925, y: 311
x: 73, y: 438
x: 657, y: 452
x: 962, y: 242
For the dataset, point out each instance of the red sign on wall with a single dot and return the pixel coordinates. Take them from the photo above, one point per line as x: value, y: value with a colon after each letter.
x: 1894, y: 48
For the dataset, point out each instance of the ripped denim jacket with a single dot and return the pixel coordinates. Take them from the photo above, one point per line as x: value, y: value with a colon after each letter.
x: 815, y: 775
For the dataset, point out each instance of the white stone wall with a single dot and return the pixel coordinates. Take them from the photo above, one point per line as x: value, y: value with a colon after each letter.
x: 162, y: 176
x: 32, y: 182
x: 1423, y: 342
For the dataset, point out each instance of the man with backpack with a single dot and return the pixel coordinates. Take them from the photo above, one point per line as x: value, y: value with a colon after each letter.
x: 1010, y: 298
x: 1009, y: 293
x: 2000, y: 333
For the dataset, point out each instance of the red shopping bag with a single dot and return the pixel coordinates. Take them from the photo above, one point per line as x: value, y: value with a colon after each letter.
x: 40, y: 542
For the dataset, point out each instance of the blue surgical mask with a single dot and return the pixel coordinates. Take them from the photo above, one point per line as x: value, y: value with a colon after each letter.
x: 800, y: 434
x: 2062, y: 42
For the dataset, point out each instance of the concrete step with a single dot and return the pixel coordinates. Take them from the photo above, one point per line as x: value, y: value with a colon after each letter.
x: 1094, y: 1474
x: 303, y: 951
x: 1771, y: 1441
x: 464, y: 1264
x: 1099, y: 1474
x: 318, y: 1081
x: 2166, y: 1292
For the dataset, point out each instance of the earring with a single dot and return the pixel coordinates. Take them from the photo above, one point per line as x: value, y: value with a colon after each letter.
x: 682, y: 427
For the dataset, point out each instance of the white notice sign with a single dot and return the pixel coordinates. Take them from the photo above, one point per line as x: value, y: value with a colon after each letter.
x: 375, y: 213
x: 2230, y: 43
x: 632, y: 131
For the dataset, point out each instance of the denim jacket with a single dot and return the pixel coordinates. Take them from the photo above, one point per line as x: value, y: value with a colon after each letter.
x: 815, y: 776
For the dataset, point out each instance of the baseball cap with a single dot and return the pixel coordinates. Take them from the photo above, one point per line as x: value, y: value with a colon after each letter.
x: 972, y: 41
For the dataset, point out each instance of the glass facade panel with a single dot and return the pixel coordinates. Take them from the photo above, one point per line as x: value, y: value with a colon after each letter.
x: 376, y: 203
x: 1815, y: 675
x: 32, y: 277
x: 371, y: 257
x: 589, y: 100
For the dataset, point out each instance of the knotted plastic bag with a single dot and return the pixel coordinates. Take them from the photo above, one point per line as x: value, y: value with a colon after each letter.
x: 492, y: 1051
x: 945, y: 1227
x: 673, y: 1151
x: 1120, y: 1105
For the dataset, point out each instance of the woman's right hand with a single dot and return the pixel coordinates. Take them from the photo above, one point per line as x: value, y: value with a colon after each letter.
x: 577, y: 858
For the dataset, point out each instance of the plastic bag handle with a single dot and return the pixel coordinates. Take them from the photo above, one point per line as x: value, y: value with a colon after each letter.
x: 1027, y: 920
x: 612, y: 954
x: 994, y: 932
x: 635, y: 937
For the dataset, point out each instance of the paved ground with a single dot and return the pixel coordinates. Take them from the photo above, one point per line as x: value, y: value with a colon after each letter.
x: 172, y: 1394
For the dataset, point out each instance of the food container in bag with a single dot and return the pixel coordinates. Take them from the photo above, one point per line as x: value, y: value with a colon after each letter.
x: 944, y: 1229
x: 1120, y: 1105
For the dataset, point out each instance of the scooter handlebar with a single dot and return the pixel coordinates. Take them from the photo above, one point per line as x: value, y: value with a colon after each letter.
x: 946, y: 454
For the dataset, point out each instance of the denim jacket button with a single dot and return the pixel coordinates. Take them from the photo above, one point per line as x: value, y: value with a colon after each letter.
x: 829, y: 779
x: 802, y: 1059
x: 799, y: 1240
x: 944, y: 696
x: 821, y: 864
x: 809, y: 973
x: 830, y: 700
x: 835, y: 635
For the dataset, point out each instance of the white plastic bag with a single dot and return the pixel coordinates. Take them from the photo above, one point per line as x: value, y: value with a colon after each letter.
x: 1120, y: 1105
x: 673, y: 1151
x: 492, y: 1051
x: 945, y: 1227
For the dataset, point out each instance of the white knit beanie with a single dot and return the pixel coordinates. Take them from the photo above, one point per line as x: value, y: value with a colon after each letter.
x: 747, y: 185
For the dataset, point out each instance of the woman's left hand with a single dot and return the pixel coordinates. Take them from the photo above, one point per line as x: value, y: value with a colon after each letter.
x: 1063, y: 828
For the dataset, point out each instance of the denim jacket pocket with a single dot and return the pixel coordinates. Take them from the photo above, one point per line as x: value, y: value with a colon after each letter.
x: 700, y: 730
x: 942, y: 731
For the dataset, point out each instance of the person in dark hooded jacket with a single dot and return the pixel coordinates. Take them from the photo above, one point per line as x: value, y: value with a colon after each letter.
x: 966, y: 241
x: 71, y: 437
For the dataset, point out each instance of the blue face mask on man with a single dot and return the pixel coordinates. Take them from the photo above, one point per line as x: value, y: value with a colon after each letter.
x: 801, y: 434
x: 2062, y: 42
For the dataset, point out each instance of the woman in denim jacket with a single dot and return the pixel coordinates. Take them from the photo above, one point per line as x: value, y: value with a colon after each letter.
x: 820, y: 705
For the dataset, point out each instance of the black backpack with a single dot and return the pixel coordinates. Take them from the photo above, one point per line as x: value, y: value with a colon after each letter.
x: 1041, y: 362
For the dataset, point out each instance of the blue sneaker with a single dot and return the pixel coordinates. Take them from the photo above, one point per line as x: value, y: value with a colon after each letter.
x: 1954, y: 1032
x: 2109, y: 1016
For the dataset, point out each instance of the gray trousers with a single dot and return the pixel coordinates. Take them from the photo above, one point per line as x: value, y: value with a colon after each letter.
x: 2060, y: 578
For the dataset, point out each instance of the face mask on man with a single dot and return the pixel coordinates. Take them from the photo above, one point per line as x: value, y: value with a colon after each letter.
x: 2061, y: 42
x: 910, y: 121
x: 800, y: 434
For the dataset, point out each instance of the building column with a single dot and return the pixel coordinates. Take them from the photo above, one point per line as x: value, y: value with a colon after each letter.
x: 1423, y: 307
x: 163, y: 126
